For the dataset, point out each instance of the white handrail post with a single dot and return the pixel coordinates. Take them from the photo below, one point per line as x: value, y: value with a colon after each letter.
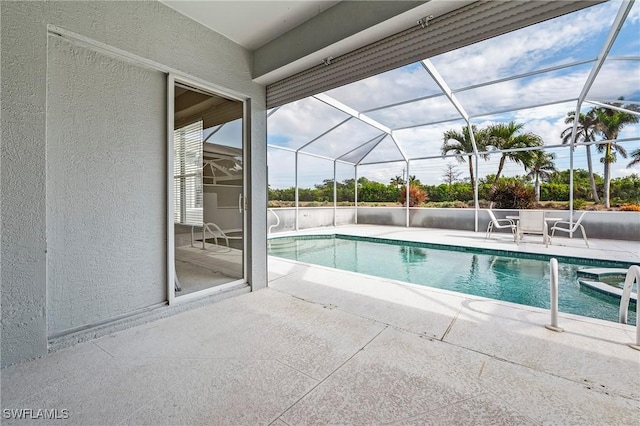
x: 355, y: 193
x: 633, y: 274
x: 297, y: 202
x: 408, y: 197
x: 335, y: 195
x: 553, y: 272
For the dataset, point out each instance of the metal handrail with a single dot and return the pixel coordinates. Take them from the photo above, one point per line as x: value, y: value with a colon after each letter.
x: 205, y: 228
x: 553, y: 286
x: 633, y: 274
x: 277, y: 221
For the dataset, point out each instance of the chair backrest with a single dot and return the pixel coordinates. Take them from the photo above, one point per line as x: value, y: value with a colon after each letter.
x: 492, y: 216
x: 577, y: 222
x: 531, y: 221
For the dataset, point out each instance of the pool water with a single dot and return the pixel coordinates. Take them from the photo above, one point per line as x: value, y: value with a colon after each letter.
x: 470, y: 271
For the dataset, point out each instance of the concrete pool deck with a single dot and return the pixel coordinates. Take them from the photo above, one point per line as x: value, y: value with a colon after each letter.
x: 322, y: 346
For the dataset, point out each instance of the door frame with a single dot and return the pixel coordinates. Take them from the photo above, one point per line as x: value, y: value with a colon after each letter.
x: 172, y: 79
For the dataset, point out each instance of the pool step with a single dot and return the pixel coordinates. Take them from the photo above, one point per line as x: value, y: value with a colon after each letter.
x: 281, y: 246
x: 596, y: 274
x: 607, y: 289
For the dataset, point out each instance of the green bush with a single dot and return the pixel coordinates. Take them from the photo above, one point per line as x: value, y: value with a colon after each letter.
x: 513, y: 195
x: 579, y: 203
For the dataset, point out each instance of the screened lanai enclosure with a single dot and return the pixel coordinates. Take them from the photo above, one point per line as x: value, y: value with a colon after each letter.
x: 500, y: 103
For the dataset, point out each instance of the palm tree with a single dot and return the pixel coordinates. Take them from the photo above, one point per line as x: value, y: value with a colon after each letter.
x: 586, y: 131
x: 397, y: 181
x: 635, y: 155
x: 540, y: 169
x: 609, y: 124
x: 460, y: 144
x: 507, y: 136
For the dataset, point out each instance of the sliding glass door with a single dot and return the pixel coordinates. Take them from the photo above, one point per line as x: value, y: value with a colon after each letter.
x: 207, y: 189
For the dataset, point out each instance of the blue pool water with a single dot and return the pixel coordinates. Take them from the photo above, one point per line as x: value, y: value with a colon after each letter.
x: 471, y: 271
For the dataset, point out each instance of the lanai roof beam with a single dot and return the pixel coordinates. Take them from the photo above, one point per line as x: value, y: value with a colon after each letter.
x: 360, y: 116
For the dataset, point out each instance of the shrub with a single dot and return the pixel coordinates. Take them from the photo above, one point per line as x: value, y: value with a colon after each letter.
x: 579, y: 203
x: 450, y: 204
x: 417, y: 196
x: 513, y: 195
x: 630, y: 208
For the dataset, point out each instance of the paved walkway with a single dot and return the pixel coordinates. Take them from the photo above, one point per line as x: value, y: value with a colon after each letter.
x: 322, y: 346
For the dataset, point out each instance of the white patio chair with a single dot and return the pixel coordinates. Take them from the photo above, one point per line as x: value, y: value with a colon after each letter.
x: 496, y: 223
x: 570, y: 229
x: 532, y: 222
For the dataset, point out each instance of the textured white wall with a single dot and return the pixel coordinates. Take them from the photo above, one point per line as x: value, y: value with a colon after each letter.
x: 146, y: 29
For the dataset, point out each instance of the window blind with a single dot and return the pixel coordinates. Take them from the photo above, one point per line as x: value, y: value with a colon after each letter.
x: 187, y: 174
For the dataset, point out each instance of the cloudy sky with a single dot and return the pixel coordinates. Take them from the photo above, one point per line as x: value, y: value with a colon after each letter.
x: 566, y: 42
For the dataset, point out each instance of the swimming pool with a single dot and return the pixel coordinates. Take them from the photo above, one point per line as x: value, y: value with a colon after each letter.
x: 497, y: 275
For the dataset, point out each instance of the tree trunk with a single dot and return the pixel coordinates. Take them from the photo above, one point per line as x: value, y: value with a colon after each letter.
x: 607, y: 177
x: 537, y: 187
x: 500, y: 167
x: 471, y: 171
x: 594, y: 190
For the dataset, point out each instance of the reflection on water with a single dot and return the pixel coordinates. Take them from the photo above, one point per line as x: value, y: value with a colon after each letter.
x: 413, y: 254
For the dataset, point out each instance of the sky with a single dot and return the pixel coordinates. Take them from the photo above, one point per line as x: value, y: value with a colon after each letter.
x: 575, y: 39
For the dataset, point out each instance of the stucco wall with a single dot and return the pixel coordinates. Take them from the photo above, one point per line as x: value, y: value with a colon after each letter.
x: 604, y: 225
x: 146, y: 29
x: 105, y: 188
x: 310, y: 217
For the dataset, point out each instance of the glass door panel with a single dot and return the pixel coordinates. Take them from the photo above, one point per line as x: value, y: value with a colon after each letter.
x: 208, y: 187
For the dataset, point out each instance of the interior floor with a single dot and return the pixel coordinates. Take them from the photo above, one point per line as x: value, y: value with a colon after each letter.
x: 199, y: 269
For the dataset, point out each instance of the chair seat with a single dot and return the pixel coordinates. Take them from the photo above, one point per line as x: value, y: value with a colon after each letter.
x: 569, y: 229
x: 499, y: 224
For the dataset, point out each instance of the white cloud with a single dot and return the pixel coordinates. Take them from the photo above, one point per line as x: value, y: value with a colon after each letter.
x: 301, y: 121
x: 526, y: 49
x: 404, y: 83
x: 622, y: 172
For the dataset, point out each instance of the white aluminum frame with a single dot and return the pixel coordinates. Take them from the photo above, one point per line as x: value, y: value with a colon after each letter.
x: 172, y: 79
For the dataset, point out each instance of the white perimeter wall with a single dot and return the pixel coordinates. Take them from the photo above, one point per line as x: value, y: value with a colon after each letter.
x: 604, y: 225
x: 83, y: 174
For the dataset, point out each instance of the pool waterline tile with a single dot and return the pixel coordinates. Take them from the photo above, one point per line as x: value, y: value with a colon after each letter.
x: 476, y: 250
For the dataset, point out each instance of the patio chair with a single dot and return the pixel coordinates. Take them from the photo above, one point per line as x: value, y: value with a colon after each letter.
x: 532, y: 222
x: 570, y: 229
x: 496, y: 223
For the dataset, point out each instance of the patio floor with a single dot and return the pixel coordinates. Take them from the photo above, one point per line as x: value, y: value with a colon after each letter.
x: 322, y: 346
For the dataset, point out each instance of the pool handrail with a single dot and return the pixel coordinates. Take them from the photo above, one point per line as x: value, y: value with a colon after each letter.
x: 274, y: 225
x: 553, y: 286
x: 633, y: 274
x: 207, y: 227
